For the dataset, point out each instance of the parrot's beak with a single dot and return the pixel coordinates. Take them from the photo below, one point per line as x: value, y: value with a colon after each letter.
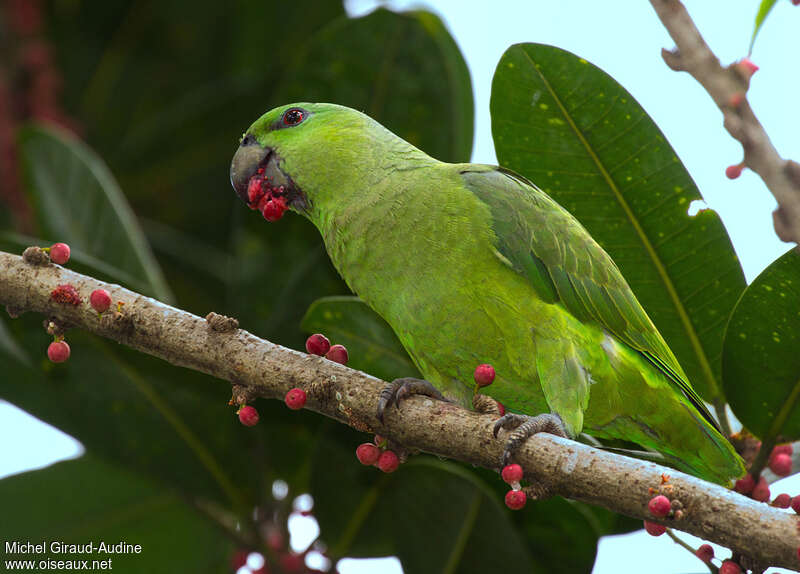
x: 245, y: 163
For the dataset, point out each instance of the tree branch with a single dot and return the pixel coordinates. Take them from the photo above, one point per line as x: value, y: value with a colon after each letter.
x: 259, y: 368
x: 727, y: 87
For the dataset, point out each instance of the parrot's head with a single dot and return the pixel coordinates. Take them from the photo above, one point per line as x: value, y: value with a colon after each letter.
x: 308, y: 158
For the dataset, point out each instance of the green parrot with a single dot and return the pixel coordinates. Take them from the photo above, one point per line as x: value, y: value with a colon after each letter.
x: 473, y: 264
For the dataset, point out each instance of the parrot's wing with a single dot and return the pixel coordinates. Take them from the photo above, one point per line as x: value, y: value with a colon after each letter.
x: 546, y: 244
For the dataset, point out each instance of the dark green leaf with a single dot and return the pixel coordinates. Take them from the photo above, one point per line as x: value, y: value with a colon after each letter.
x: 372, y: 345
x: 404, y: 70
x: 77, y: 201
x: 763, y: 11
x: 760, y: 361
x: 87, y: 500
x: 577, y: 134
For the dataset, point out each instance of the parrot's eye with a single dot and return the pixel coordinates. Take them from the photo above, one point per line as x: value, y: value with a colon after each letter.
x: 293, y: 117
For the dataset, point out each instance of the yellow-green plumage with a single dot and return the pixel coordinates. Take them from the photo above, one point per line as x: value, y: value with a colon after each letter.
x: 472, y: 264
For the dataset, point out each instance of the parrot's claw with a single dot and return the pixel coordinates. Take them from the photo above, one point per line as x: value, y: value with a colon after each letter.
x: 524, y: 427
x: 400, y: 389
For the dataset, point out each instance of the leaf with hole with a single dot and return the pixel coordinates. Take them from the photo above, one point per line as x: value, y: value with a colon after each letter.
x: 581, y: 137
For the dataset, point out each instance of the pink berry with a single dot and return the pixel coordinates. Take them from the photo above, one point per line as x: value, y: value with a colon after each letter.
x: 747, y: 67
x: 782, y: 501
x: 760, y: 490
x: 730, y: 567
x: 734, y: 171
x: 248, y: 416
x: 796, y: 2
x: 484, y: 375
x: 745, y: 485
x: 59, y: 253
x: 58, y: 351
x: 781, y: 464
x: 368, y: 453
x: 337, y: 354
x: 295, y: 399
x: 318, y: 344
x: 654, y: 529
x: 705, y: 552
x: 388, y: 461
x: 512, y: 473
x: 796, y: 504
x: 100, y: 300
x: 659, y: 505
x: 501, y: 408
x: 515, y: 499
x: 781, y: 449
x: 275, y: 540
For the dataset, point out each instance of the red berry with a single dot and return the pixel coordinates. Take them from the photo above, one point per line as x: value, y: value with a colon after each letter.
x: 782, y: 501
x: 654, y: 529
x: 274, y: 209
x: 796, y: 2
x: 512, y: 473
x: 659, y: 505
x: 734, y: 171
x: 295, y: 399
x: 275, y: 540
x: 796, y: 504
x: 705, y: 552
x: 248, y: 416
x: 318, y: 344
x: 745, y: 485
x: 100, y: 300
x: 781, y: 464
x: 484, y: 375
x: 501, y: 408
x: 59, y: 253
x: 730, y: 567
x: 337, y: 354
x: 388, y: 461
x: 255, y: 191
x: 239, y: 559
x: 58, y: 351
x: 368, y: 453
x: 292, y: 562
x: 515, y: 499
x: 760, y: 490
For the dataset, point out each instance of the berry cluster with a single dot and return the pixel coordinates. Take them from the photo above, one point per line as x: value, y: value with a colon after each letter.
x: 270, y: 200
x: 516, y: 497
x: 377, y: 454
x: 318, y: 344
x: 780, y: 462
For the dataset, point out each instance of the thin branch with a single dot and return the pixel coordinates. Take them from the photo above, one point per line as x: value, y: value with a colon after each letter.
x: 727, y: 87
x: 693, y: 551
x: 258, y: 368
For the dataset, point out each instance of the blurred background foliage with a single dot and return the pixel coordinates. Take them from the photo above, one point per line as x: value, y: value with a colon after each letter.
x: 117, y: 124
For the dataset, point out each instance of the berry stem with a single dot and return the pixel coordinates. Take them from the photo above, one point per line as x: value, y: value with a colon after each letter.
x: 679, y: 542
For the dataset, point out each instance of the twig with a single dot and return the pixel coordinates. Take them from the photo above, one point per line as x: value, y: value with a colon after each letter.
x: 727, y: 87
x: 680, y: 542
x: 573, y: 470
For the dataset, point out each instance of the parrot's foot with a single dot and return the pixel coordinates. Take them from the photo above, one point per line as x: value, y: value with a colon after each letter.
x: 400, y: 389
x: 525, y: 427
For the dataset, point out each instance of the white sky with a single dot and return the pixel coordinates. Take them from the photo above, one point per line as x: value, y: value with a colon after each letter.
x: 624, y: 39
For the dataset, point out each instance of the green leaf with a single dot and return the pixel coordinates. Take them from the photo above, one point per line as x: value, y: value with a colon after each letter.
x: 404, y: 70
x: 581, y: 137
x: 372, y: 345
x: 88, y: 500
x: 439, y: 516
x: 763, y: 11
x: 760, y: 361
x: 77, y: 201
